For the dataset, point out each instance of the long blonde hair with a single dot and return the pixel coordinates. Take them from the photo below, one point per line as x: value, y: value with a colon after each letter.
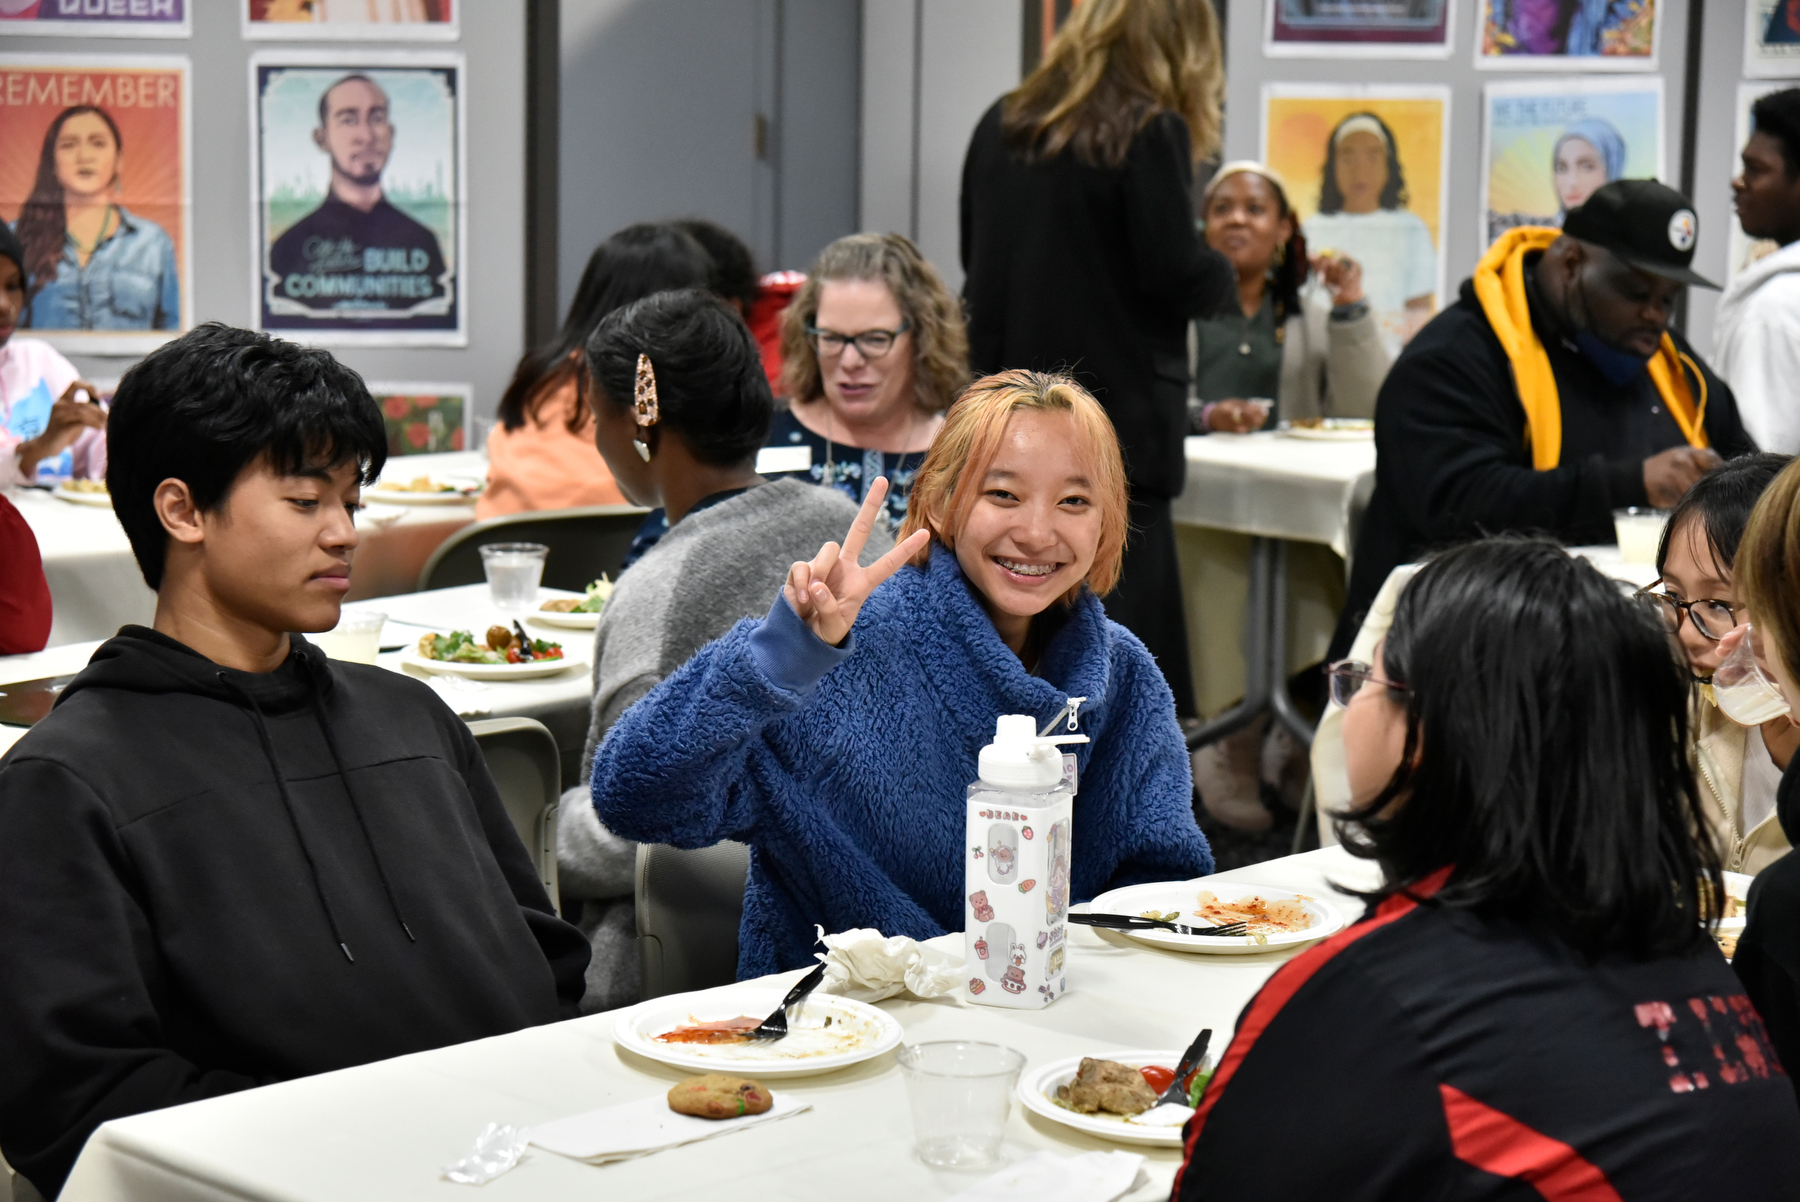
x: 940, y: 342
x: 1115, y: 65
x: 1767, y: 566
x: 970, y: 438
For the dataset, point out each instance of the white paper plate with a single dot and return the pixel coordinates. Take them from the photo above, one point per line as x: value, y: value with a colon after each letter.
x: 98, y: 500
x: 1327, y: 434
x: 547, y: 617
x: 878, y: 1032
x: 1038, y: 1086
x: 394, y: 496
x: 537, y: 667
x: 1180, y: 895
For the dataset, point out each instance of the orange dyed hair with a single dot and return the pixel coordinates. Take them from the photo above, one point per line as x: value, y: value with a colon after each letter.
x: 970, y: 438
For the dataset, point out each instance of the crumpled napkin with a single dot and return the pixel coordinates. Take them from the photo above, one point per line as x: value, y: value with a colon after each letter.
x: 867, y: 966
x: 1047, y: 1177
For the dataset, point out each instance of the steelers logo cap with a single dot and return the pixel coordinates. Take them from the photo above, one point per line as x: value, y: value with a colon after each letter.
x: 1648, y: 224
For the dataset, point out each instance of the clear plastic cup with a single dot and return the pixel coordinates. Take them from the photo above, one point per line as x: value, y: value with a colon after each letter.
x: 961, y: 1093
x: 513, y: 572
x: 356, y: 639
x: 1639, y: 531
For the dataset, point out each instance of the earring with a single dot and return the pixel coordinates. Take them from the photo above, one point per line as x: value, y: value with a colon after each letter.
x: 644, y: 406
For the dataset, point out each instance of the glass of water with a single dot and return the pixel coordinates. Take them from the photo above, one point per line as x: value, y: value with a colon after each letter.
x: 513, y: 572
x: 961, y: 1092
x: 356, y: 639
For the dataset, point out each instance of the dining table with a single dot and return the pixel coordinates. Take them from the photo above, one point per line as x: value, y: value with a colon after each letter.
x: 384, y: 1130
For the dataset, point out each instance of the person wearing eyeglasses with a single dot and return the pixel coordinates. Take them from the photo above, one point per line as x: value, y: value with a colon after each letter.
x: 1531, y: 1006
x: 873, y: 351
x: 1737, y: 768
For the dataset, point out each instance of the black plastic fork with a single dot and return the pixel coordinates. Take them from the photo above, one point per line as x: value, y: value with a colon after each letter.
x: 1137, y: 922
x: 775, y: 1026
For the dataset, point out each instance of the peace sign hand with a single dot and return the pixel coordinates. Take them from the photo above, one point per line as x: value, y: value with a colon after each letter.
x: 829, y: 592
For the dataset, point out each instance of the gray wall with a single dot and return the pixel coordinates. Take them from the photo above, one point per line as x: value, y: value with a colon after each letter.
x: 493, y: 39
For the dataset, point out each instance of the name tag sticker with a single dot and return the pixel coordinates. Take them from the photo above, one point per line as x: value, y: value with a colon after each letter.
x: 772, y: 461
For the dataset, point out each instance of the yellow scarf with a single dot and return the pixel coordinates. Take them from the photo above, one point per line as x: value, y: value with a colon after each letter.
x: 1500, y: 287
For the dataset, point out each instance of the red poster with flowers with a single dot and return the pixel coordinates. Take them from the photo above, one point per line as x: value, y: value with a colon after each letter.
x: 423, y: 419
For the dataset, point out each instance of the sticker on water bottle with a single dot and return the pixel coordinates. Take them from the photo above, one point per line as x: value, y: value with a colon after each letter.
x: 1069, y: 772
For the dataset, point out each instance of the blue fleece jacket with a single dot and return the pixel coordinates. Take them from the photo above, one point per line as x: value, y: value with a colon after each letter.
x: 845, y: 770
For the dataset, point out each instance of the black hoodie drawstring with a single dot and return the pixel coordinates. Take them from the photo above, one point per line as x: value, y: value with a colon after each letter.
x: 281, y: 786
x: 355, y: 805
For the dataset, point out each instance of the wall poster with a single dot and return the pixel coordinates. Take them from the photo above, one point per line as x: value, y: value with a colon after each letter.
x: 358, y: 226
x: 1357, y: 28
x: 1550, y: 143
x: 355, y: 20
x: 1567, y: 35
x: 423, y: 419
x: 1366, y: 173
x: 1772, y: 39
x: 95, y: 180
x: 95, y: 18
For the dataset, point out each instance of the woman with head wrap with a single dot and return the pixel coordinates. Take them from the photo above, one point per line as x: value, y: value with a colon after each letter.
x: 1590, y: 152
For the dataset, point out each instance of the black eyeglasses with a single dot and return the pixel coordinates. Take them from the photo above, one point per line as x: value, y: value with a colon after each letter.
x: 1347, y: 677
x: 871, y: 344
x: 1713, y: 619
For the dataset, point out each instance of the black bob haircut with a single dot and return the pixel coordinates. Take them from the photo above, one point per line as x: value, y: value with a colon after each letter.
x: 1393, y: 193
x: 204, y: 407
x: 710, y: 385
x: 1722, y: 500
x: 1778, y: 115
x: 1546, y: 755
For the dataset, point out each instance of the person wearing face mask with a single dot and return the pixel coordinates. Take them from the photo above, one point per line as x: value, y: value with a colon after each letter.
x: 873, y: 350
x: 1552, y: 393
x: 837, y: 735
x: 1737, y: 768
x: 1756, y: 336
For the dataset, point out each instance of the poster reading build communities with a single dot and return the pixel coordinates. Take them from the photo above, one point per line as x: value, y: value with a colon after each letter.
x: 359, y: 220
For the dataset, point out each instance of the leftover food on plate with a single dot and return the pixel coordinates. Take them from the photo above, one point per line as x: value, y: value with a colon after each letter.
x: 726, y: 1030
x: 93, y: 486
x: 1109, y: 1087
x: 501, y: 646
x: 1263, y: 915
x: 598, y: 594
x: 423, y: 484
x: 718, y: 1096
x: 810, y: 1034
x: 1332, y: 423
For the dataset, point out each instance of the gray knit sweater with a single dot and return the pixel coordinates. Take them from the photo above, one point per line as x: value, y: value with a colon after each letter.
x: 712, y: 568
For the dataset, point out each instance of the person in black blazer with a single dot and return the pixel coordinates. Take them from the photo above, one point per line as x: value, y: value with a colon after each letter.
x: 1082, y: 254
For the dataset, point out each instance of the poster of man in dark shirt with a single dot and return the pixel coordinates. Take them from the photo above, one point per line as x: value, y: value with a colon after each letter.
x: 358, y: 262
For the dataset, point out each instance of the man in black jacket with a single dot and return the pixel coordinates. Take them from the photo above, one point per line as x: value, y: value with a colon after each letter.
x: 224, y: 859
x: 1549, y: 395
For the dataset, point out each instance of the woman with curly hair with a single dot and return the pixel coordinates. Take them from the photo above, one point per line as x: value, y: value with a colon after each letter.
x: 1079, y: 241
x: 874, y: 351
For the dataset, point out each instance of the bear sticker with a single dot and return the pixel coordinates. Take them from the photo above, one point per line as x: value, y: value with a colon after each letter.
x: 979, y: 901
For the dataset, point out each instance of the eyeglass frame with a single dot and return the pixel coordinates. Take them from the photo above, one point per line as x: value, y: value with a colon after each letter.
x: 1357, y: 670
x: 846, y: 341
x: 1686, y: 609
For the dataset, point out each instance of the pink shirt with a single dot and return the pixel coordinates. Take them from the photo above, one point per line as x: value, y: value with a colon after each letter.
x: 28, y: 365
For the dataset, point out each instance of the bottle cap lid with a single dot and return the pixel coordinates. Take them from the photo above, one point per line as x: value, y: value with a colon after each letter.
x: 1019, y: 758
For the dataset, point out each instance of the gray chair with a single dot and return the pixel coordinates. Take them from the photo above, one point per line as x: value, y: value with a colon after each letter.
x: 526, y: 765
x: 583, y: 544
x: 689, y: 905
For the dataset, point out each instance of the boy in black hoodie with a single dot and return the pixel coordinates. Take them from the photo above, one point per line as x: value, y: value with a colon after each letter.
x: 224, y: 859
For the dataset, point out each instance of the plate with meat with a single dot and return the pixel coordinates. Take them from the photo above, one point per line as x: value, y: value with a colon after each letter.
x: 501, y: 654
x: 1277, y: 918
x: 1114, y: 1096
x: 709, y: 1032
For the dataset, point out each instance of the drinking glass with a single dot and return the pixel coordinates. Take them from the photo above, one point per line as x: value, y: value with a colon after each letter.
x: 356, y: 639
x: 513, y: 572
x: 1639, y: 530
x: 961, y: 1092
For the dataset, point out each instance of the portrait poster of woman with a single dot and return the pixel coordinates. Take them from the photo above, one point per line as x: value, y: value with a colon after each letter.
x: 1550, y: 35
x: 356, y: 20
x: 1550, y: 143
x: 1365, y: 168
x: 95, y: 181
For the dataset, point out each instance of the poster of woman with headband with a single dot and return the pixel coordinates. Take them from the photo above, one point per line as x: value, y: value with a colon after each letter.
x: 1366, y: 173
x: 1551, y: 143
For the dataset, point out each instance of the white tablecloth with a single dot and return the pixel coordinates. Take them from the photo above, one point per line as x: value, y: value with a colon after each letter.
x: 1277, y: 486
x: 383, y: 1130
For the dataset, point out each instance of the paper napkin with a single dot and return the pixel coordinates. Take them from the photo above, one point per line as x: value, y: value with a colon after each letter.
x: 645, y: 1126
x: 1047, y: 1177
x: 867, y: 966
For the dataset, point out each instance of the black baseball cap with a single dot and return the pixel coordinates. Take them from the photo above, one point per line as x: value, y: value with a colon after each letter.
x: 1648, y: 224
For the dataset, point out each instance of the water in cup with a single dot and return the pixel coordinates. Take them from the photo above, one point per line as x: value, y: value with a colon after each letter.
x: 513, y: 573
x: 961, y: 1092
x: 356, y: 639
x: 1743, y: 692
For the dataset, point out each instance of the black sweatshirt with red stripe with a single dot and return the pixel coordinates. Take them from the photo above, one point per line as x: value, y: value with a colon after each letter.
x: 1427, y: 1053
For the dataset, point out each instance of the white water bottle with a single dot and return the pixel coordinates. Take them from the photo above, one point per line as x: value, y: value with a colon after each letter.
x: 1016, y: 866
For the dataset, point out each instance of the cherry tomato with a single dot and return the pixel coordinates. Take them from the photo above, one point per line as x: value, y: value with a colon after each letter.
x: 1157, y: 1077
x: 553, y: 653
x: 512, y: 655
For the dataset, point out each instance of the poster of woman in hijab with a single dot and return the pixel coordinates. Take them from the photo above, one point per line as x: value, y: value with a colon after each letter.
x: 1356, y: 28
x: 359, y: 216
x: 358, y: 20
x: 95, y: 18
x: 1540, y: 35
x: 1365, y: 168
x: 94, y: 182
x: 1551, y: 143
x: 1772, y: 39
